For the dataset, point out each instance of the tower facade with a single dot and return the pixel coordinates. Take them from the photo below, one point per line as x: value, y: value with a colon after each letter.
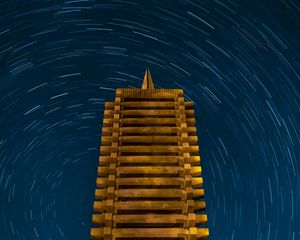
x: 149, y: 184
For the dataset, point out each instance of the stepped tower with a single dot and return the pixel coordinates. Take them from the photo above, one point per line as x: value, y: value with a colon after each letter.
x: 149, y: 185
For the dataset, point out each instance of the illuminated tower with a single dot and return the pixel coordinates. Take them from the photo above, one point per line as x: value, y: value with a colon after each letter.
x: 149, y: 184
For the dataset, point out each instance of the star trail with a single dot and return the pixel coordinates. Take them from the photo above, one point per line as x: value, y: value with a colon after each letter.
x: 237, y: 60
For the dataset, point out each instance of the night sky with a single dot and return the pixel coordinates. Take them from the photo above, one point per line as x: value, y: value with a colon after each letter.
x: 237, y: 60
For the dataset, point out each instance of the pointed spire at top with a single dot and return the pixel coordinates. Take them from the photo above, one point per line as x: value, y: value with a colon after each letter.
x: 147, y: 83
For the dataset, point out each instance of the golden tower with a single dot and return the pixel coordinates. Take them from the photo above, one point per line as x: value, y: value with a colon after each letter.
x: 149, y: 184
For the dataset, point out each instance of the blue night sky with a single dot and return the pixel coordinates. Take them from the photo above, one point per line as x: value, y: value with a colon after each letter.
x: 237, y: 60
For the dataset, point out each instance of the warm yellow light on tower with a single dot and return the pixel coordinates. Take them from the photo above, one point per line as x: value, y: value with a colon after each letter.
x: 149, y: 184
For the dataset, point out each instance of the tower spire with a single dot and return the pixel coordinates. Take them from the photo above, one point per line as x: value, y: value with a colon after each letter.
x: 147, y: 83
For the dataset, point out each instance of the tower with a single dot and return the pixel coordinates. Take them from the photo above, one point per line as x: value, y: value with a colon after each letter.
x: 149, y: 184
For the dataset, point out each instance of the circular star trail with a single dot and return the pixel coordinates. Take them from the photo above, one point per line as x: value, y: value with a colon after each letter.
x: 238, y: 61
